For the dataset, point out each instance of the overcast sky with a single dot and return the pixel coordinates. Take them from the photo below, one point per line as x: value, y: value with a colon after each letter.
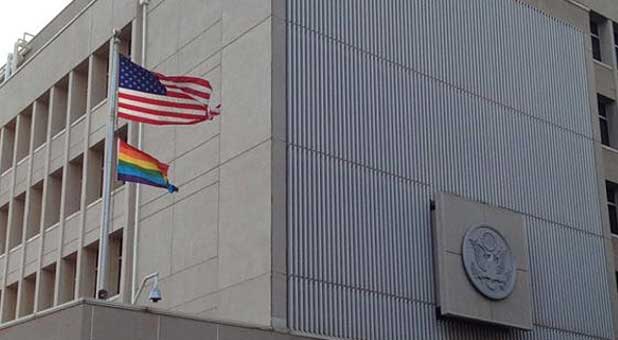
x: 24, y: 16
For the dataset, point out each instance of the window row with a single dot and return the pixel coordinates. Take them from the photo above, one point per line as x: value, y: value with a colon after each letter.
x: 81, y: 90
x: 66, y: 102
x: 63, y: 276
x: 39, y: 207
x: 64, y: 105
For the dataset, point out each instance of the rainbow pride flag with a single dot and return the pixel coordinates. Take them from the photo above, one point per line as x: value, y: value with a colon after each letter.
x: 137, y: 166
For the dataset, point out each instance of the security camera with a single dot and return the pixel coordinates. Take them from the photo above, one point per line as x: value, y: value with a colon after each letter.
x: 155, y: 294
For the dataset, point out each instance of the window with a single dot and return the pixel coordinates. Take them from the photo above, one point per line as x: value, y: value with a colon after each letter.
x: 94, y: 184
x: 59, y: 104
x: 36, y: 202
x: 24, y: 127
x: 27, y: 296
x: 8, y: 146
x: 17, y: 221
x: 73, y: 186
x: 115, y: 263
x: 67, y: 277
x: 616, y: 41
x: 612, y: 190
x: 52, y: 199
x: 89, y: 271
x: 100, y: 64
x: 596, y: 39
x: 603, y: 104
x: 10, y: 303
x: 78, y: 87
x: 48, y: 281
x: 40, y: 118
x: 4, y: 225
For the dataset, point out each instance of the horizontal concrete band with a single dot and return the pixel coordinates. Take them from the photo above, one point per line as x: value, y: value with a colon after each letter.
x: 91, y: 319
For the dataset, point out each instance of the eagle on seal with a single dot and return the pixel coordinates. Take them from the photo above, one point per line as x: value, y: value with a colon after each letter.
x: 490, y: 262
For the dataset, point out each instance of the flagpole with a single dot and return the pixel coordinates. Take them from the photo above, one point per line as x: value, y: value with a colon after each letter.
x: 106, y: 213
x: 140, y: 137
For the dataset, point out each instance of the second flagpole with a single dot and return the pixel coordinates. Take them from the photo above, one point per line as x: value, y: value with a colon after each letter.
x: 140, y: 137
x: 106, y: 213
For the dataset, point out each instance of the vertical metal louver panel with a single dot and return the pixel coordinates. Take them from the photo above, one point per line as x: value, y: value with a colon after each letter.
x: 373, y: 101
x: 473, y: 45
x: 392, y: 101
x: 569, y: 283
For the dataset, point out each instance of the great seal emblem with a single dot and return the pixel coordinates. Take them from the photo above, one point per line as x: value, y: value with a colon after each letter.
x: 489, y: 262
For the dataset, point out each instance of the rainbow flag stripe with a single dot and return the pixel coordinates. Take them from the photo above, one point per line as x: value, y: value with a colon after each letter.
x: 137, y: 166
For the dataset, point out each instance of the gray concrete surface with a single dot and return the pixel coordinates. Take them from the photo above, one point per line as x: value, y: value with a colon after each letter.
x: 91, y: 320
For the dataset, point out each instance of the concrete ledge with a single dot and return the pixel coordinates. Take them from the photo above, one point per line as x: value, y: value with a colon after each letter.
x: 95, y: 320
x: 567, y: 11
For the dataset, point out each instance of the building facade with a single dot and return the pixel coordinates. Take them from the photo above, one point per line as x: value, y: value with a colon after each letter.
x: 309, y: 206
x: 399, y: 101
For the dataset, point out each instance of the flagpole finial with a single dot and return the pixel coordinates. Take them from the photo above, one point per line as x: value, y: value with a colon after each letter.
x: 116, y: 36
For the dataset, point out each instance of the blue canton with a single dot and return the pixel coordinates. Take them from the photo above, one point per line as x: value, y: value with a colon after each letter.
x: 137, y: 78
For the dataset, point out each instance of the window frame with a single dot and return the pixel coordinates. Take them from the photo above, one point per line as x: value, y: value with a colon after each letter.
x: 604, y: 124
x: 611, y: 189
x: 615, y: 26
x: 595, y: 35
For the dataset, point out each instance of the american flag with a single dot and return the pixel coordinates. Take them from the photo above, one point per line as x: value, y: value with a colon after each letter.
x: 153, y: 98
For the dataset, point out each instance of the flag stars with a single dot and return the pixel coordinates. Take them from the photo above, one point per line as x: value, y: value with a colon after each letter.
x: 136, y: 78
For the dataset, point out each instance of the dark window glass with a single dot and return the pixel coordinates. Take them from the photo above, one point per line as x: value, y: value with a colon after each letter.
x: 616, y: 280
x: 604, y: 131
x: 616, y: 40
x: 596, y: 40
x: 611, y: 188
x: 594, y: 28
x: 596, y: 48
x: 602, y: 108
x: 613, y: 221
x: 602, y: 105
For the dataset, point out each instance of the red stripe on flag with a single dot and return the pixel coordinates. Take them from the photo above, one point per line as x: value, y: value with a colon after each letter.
x: 159, y: 112
x: 190, y: 91
x: 185, y: 79
x: 158, y: 122
x: 124, y: 95
x: 179, y: 95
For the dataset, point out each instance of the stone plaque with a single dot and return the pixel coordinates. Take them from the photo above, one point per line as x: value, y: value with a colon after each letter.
x: 481, y: 262
x: 489, y: 262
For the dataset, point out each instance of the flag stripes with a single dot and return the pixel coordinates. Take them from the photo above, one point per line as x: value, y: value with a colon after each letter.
x: 153, y: 98
x: 137, y: 166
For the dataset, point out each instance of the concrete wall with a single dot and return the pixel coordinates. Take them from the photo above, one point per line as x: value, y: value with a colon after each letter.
x: 576, y: 12
x: 88, y: 320
x: 211, y: 242
x: 607, y: 8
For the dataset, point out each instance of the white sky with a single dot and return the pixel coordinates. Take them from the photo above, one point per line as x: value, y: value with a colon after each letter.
x: 19, y: 16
